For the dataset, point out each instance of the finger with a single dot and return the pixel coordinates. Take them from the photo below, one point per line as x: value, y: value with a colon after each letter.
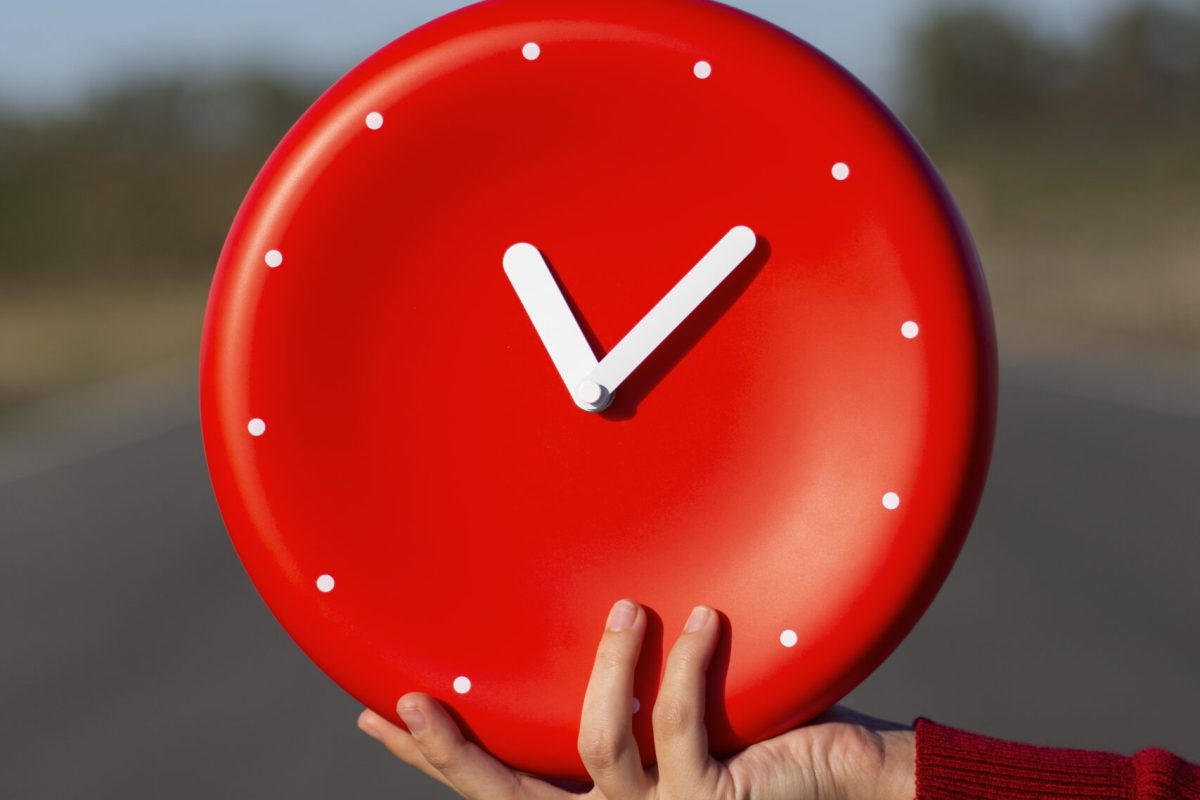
x: 402, y: 745
x: 680, y: 738
x: 606, y: 743
x: 399, y: 743
x: 470, y: 770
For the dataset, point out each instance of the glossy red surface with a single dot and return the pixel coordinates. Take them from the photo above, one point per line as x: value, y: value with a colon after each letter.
x: 421, y: 450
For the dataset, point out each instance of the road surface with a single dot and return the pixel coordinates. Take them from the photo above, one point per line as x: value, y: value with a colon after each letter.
x: 138, y: 661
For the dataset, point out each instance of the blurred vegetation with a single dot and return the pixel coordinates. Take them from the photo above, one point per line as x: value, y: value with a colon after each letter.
x: 143, y: 180
x: 1076, y: 163
x: 982, y: 71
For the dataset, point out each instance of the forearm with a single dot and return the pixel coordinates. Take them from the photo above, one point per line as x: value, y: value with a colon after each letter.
x: 951, y: 764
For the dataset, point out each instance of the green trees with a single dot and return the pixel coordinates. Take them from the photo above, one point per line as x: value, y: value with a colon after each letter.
x: 981, y: 72
x: 144, y: 179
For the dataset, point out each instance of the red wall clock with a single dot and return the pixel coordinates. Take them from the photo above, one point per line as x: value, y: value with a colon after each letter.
x: 545, y: 304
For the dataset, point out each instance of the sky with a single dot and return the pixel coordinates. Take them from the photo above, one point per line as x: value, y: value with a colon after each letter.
x: 54, y: 51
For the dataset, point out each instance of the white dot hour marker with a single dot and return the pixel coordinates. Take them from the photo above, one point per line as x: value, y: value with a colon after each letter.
x: 702, y: 70
x: 256, y: 427
x: 788, y: 638
x: 910, y: 330
x: 532, y: 51
x: 462, y: 684
x: 374, y: 120
x: 273, y: 258
x: 325, y: 583
x: 841, y: 171
x: 891, y: 501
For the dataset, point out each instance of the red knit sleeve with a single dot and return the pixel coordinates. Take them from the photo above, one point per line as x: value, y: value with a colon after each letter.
x: 957, y: 765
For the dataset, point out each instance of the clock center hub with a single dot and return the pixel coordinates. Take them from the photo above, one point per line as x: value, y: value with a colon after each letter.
x: 593, y: 397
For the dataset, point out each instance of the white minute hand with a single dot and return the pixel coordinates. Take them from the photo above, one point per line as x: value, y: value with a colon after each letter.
x: 666, y: 316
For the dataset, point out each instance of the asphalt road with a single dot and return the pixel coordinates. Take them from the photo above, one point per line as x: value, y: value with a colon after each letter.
x: 138, y: 661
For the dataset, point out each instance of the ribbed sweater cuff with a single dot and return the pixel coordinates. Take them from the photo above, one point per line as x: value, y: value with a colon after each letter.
x: 955, y: 765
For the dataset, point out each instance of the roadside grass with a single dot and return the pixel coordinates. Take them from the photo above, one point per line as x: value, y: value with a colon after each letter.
x: 1100, y: 239
x: 1085, y: 238
x: 60, y: 337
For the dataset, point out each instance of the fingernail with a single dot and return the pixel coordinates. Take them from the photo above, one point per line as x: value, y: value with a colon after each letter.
x: 621, y: 616
x: 414, y: 719
x: 366, y: 724
x: 696, y: 620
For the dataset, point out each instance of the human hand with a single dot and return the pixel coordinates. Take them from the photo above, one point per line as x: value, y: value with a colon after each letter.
x: 841, y: 755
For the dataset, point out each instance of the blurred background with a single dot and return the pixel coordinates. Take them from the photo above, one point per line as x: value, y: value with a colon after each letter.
x: 137, y: 658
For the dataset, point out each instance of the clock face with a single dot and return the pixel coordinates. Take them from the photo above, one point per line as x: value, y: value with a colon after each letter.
x: 544, y: 305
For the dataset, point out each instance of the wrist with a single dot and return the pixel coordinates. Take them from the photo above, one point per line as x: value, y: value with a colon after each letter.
x: 898, y: 769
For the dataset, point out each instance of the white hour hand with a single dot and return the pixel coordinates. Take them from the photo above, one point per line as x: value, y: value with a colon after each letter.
x: 550, y: 314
